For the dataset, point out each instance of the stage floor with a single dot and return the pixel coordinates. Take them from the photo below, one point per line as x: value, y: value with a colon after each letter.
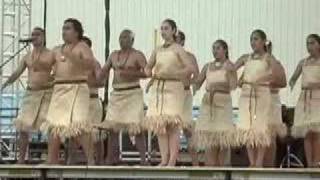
x: 160, y: 173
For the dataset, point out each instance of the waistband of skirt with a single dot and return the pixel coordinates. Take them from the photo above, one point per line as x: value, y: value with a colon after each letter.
x: 219, y: 91
x: 127, y: 88
x: 165, y: 79
x: 256, y: 84
x: 39, y: 88
x: 78, y: 81
x: 94, y: 96
x: 310, y: 88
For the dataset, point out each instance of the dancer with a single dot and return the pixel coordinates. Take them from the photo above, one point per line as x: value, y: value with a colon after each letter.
x: 37, y: 97
x: 306, y: 119
x: 215, y: 131
x: 171, y: 68
x: 187, y: 110
x: 276, y: 126
x: 69, y: 107
x: 125, y: 109
x: 255, y: 104
x: 93, y: 142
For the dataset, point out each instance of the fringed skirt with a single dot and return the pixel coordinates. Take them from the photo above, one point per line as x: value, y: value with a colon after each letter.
x: 214, y: 127
x: 95, y: 117
x: 125, y: 111
x: 68, y: 111
x: 165, y: 107
x: 307, y: 113
x: 276, y: 127
x: 255, y: 111
x: 34, y: 109
x: 187, y: 122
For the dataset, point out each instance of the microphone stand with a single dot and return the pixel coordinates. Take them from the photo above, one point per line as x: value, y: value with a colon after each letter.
x: 14, y: 55
x: 1, y: 66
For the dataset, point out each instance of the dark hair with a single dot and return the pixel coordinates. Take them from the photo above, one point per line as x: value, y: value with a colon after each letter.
x: 77, y: 26
x: 182, y: 35
x: 262, y: 35
x: 316, y: 37
x: 87, y: 40
x: 173, y: 26
x: 224, y: 46
x: 37, y: 28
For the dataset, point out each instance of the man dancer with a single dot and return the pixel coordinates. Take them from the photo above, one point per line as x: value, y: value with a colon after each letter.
x: 38, y: 94
x: 125, y: 109
x: 69, y: 107
x: 94, y: 116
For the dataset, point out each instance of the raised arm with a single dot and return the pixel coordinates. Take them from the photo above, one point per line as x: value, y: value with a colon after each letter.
x: 200, y: 78
x: 240, y: 62
x: 188, y: 69
x: 140, y: 63
x: 17, y: 73
x: 279, y: 79
x: 232, y: 75
x: 87, y: 55
x: 296, y: 74
x: 97, y: 70
x: 195, y: 66
x: 103, y: 74
x: 152, y: 61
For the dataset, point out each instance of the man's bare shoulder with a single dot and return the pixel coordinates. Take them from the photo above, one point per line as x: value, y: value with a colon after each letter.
x: 138, y: 53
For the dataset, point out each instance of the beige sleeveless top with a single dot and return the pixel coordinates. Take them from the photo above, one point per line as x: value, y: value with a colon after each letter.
x: 310, y: 74
x: 167, y: 62
x: 256, y: 69
x: 214, y: 76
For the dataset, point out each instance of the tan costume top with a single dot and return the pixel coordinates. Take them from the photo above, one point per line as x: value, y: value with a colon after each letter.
x: 255, y: 104
x: 166, y: 95
x: 214, y: 127
x: 34, y: 109
x: 307, y: 114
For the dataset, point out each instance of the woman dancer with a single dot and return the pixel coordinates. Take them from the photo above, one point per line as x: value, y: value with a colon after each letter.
x: 306, y: 119
x: 170, y: 67
x: 255, y: 104
x: 214, y: 129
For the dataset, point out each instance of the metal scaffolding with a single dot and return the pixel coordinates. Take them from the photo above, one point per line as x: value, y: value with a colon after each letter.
x: 15, y: 24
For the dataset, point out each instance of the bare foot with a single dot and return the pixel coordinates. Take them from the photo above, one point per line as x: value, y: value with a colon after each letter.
x: 162, y: 164
x: 21, y: 162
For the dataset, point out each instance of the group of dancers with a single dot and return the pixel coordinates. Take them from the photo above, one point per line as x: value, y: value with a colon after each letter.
x: 62, y: 99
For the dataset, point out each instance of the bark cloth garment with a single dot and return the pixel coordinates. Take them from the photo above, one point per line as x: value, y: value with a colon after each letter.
x: 34, y: 109
x: 95, y: 114
x: 255, y: 104
x: 187, y: 111
x: 307, y: 113
x: 125, y: 110
x: 276, y: 125
x: 68, y: 110
x: 214, y: 127
x: 166, y: 95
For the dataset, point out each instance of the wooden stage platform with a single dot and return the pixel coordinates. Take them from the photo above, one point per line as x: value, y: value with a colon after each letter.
x: 164, y: 173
